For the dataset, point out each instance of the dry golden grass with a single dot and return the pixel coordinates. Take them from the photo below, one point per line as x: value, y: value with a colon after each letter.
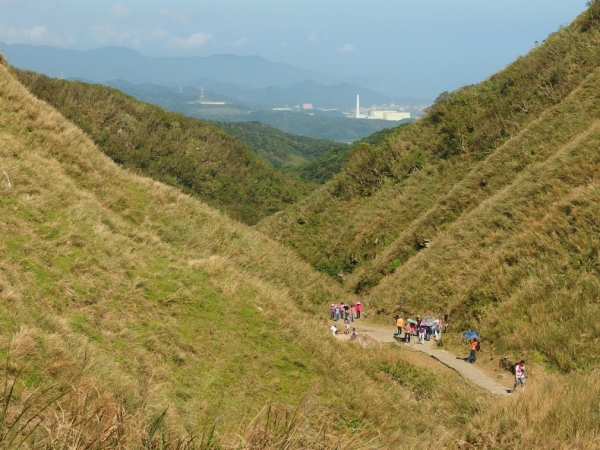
x: 558, y: 414
x: 178, y: 312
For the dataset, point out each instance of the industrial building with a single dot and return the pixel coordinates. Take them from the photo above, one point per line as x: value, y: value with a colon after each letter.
x: 381, y: 115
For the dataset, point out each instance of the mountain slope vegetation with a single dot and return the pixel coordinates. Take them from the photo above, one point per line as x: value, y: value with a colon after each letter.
x: 135, y: 316
x: 178, y: 150
x: 279, y: 148
x: 499, y: 179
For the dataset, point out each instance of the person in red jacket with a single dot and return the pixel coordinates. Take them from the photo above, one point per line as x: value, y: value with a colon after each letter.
x: 472, y: 357
x: 358, y: 310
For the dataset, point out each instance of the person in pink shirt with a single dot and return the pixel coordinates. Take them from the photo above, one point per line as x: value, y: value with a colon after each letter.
x: 352, y: 312
x: 358, y: 310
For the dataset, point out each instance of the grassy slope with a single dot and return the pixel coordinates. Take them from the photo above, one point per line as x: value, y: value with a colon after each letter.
x: 389, y: 197
x: 528, y: 257
x: 187, y: 153
x: 172, y: 305
x: 504, y: 190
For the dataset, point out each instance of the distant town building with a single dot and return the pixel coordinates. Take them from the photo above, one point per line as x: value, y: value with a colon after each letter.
x: 388, y: 115
x: 307, y: 106
x: 375, y: 113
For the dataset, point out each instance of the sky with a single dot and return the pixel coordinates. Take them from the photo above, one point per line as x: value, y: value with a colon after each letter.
x: 416, y: 48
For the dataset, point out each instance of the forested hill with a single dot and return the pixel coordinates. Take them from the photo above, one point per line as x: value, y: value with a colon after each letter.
x: 499, y: 177
x: 181, y: 151
x: 279, y: 148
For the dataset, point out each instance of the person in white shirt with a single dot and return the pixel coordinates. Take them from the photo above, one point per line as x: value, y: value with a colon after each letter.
x: 520, y: 375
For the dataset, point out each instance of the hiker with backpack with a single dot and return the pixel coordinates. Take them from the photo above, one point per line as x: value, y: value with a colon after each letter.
x: 520, y: 376
x: 474, y: 348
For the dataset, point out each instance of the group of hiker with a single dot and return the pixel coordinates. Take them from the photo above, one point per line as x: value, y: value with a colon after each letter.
x: 347, y: 313
x: 422, y: 329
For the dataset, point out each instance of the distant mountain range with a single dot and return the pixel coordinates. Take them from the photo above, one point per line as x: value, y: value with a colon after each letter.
x: 330, y: 125
x: 252, y: 81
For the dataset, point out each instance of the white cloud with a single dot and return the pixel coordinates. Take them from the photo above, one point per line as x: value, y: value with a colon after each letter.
x: 37, y: 33
x: 34, y: 35
x: 193, y: 41
x: 107, y: 34
x: 347, y: 48
x: 119, y: 11
x: 240, y: 42
x: 315, y: 36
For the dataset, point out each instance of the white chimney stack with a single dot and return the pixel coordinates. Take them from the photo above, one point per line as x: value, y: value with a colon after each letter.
x: 357, y: 107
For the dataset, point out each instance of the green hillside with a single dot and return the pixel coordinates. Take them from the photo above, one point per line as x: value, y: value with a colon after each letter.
x: 183, y: 152
x: 329, y: 163
x: 481, y: 177
x: 279, y: 148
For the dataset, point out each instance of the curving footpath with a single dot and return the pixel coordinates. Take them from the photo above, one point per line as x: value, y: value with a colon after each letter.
x: 464, y: 369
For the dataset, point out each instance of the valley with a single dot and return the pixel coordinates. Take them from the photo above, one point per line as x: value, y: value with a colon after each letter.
x: 165, y: 281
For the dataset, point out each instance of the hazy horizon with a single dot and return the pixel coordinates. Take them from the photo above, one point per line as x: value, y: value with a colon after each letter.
x: 401, y: 48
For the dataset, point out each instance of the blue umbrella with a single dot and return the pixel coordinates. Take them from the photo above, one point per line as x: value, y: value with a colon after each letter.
x: 429, y: 321
x: 470, y: 334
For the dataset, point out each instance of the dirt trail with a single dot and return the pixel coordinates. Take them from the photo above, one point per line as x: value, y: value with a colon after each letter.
x: 464, y: 369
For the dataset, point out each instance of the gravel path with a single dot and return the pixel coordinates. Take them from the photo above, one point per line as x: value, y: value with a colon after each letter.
x: 464, y: 369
